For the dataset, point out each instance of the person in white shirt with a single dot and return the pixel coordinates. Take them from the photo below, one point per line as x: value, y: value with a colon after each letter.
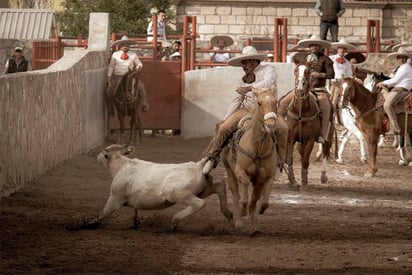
x: 120, y: 63
x: 161, y: 27
x: 219, y: 43
x: 257, y: 75
x: 402, y: 85
x: 342, y: 68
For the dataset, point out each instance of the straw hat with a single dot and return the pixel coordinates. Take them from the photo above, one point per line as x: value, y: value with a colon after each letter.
x: 360, y: 58
x: 269, y: 55
x: 18, y: 49
x: 400, y: 52
x: 125, y: 40
x: 175, y: 54
x: 401, y: 45
x: 248, y: 52
x: 343, y: 44
x: 299, y: 57
x: 314, y: 39
x: 228, y: 40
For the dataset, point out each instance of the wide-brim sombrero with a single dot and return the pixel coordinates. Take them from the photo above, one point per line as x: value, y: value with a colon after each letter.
x: 360, y: 58
x: 124, y: 41
x: 228, y: 40
x: 401, y: 45
x: 400, y: 52
x: 343, y: 44
x: 248, y: 52
x: 298, y: 57
x: 314, y: 39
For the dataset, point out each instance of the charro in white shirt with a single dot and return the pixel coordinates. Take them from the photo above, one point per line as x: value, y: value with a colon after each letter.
x: 119, y: 66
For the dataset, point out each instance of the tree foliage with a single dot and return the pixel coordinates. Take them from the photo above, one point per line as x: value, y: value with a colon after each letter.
x: 125, y: 15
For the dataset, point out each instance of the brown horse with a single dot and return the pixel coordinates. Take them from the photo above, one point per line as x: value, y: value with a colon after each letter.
x: 369, y: 117
x: 253, y: 159
x: 129, y: 95
x: 303, y: 118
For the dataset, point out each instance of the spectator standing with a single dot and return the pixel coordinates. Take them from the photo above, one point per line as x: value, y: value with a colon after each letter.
x: 269, y: 57
x: 329, y: 12
x: 17, y: 63
x: 161, y: 27
x: 219, y: 43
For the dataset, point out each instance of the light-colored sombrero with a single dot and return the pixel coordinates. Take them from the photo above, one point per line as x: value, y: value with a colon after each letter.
x: 125, y: 40
x: 269, y: 55
x: 248, y: 52
x: 401, y: 45
x: 314, y: 39
x: 343, y: 44
x: 175, y: 54
x: 360, y: 58
x: 228, y: 40
x: 400, y: 52
x: 298, y: 57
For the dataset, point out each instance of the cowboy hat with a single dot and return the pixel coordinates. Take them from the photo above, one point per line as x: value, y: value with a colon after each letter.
x: 360, y: 58
x: 18, y: 49
x: 314, y: 39
x: 269, y: 55
x: 400, y: 52
x: 125, y: 40
x: 343, y: 44
x: 401, y: 45
x: 298, y: 57
x: 175, y: 54
x: 248, y: 52
x: 215, y: 39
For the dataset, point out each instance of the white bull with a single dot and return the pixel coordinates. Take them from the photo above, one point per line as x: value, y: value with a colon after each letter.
x: 151, y: 186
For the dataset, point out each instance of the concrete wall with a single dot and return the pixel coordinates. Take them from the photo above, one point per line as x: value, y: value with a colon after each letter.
x: 208, y: 93
x: 50, y: 115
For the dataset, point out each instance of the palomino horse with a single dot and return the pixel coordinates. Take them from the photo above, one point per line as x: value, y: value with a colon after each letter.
x: 129, y: 95
x: 304, y: 124
x: 253, y: 159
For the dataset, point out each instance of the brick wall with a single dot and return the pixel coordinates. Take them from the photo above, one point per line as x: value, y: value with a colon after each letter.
x: 243, y: 19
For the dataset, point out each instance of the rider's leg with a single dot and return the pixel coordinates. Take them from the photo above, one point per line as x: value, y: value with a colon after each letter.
x: 325, y: 107
x: 224, y: 131
x: 388, y: 107
x: 282, y: 134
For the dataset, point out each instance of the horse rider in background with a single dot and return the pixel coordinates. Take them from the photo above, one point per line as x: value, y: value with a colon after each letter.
x: 257, y: 75
x: 322, y: 69
x: 342, y: 68
x: 120, y: 63
x: 401, y: 84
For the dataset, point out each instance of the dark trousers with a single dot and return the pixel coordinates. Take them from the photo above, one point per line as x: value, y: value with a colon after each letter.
x: 333, y: 27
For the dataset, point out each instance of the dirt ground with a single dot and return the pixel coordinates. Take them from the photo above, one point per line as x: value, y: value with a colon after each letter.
x: 352, y: 225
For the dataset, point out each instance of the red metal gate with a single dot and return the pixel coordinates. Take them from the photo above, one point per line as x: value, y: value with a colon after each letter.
x: 45, y: 53
x: 163, y: 85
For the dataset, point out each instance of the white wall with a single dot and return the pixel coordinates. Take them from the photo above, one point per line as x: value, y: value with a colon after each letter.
x: 208, y: 93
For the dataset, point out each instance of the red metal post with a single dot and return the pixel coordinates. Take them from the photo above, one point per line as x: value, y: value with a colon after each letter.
x: 154, y: 41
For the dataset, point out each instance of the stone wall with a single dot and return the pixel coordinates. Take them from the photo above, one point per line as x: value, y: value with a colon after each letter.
x: 243, y: 19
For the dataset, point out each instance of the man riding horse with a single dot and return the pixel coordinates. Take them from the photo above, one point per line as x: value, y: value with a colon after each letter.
x: 121, y: 62
x: 322, y: 69
x: 259, y: 76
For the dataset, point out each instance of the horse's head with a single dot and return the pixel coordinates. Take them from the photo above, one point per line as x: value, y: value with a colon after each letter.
x: 348, y: 91
x: 302, y: 80
x: 266, y: 102
x: 127, y: 91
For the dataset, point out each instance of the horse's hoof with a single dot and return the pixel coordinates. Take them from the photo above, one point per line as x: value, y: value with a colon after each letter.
x: 339, y: 161
x: 403, y: 162
x: 324, y: 179
x: 410, y: 164
x: 238, y: 224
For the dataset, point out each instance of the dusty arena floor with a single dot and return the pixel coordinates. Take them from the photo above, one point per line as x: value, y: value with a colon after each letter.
x: 352, y: 225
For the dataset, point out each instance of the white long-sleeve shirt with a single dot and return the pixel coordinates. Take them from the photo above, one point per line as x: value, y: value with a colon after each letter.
x: 265, y: 77
x: 161, y: 31
x: 119, y: 66
x: 402, y: 77
x: 341, y: 70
